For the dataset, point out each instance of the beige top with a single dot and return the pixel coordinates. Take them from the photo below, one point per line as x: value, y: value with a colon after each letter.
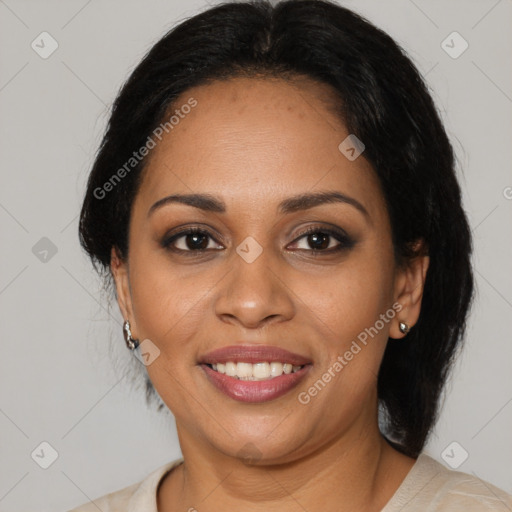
x: 428, y: 487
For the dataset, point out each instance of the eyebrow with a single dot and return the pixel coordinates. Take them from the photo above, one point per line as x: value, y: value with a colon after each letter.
x: 209, y: 203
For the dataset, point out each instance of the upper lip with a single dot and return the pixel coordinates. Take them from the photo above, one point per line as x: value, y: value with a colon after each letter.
x: 253, y: 354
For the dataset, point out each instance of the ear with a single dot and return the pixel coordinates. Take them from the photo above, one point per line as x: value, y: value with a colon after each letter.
x: 409, y: 286
x: 119, y: 269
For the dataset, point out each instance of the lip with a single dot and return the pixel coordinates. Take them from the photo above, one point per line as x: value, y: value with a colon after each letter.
x: 253, y: 354
x: 255, y: 391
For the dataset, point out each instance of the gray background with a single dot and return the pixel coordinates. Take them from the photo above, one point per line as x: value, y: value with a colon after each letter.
x: 58, y: 382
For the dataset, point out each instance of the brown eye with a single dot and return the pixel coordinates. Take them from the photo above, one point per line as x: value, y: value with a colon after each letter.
x: 326, y: 240
x: 189, y: 240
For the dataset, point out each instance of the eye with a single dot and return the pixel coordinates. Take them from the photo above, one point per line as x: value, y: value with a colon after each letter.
x: 320, y: 240
x: 189, y: 240
x: 324, y: 240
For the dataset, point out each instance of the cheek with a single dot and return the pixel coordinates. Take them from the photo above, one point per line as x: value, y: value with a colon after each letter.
x: 351, y: 298
x: 168, y: 311
x: 346, y: 308
x: 166, y: 299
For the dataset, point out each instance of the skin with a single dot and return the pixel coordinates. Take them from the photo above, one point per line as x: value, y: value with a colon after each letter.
x: 253, y: 142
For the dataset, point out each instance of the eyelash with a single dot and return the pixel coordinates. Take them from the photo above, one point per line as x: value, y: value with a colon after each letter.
x: 345, y: 242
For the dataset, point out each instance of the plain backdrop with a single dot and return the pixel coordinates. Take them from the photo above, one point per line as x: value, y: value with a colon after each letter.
x: 59, y: 382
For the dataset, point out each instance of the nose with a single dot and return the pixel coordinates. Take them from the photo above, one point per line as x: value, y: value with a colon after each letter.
x: 254, y: 294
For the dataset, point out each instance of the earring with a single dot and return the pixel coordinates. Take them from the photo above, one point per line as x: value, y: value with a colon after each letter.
x: 130, y: 342
x: 404, y: 328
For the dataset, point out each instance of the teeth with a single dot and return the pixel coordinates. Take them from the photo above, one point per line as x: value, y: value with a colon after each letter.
x: 276, y: 369
x: 243, y: 370
x: 231, y: 369
x: 258, y: 371
x: 261, y: 370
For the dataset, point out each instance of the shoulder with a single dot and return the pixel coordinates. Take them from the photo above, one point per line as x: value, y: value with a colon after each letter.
x: 432, y: 487
x: 140, y: 496
x: 111, y: 502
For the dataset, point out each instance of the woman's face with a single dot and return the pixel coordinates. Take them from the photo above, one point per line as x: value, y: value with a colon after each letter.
x: 254, y: 145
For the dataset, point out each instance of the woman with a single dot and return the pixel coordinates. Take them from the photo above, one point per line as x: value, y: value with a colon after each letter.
x: 276, y: 202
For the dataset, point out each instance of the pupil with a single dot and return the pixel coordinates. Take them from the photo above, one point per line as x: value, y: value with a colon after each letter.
x: 194, y: 244
x: 324, y: 242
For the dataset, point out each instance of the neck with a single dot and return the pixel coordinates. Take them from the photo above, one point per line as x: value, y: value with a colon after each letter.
x: 354, y: 472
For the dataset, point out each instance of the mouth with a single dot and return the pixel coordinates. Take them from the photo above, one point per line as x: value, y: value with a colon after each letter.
x: 254, y: 373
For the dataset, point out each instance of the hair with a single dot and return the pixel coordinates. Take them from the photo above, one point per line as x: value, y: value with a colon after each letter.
x: 383, y: 100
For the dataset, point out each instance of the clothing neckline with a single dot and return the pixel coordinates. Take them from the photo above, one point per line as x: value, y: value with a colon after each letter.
x: 424, y: 469
x: 421, y: 473
x: 149, y: 486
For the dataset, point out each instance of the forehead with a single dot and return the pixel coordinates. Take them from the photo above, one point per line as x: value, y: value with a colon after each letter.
x: 249, y: 139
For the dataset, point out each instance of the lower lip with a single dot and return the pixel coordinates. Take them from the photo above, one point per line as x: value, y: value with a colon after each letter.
x: 255, y: 391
